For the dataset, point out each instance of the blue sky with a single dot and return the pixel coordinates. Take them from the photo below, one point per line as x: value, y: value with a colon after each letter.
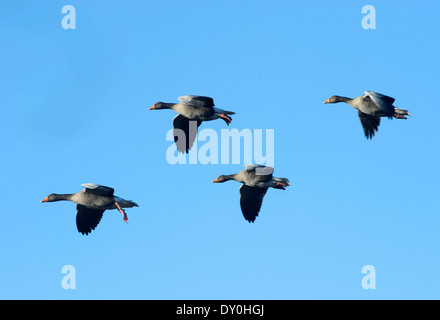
x: 75, y: 110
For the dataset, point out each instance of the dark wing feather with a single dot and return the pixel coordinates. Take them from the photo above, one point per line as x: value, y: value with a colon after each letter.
x: 185, y: 132
x: 369, y: 123
x: 383, y: 97
x: 87, y: 219
x: 255, y: 173
x: 251, y: 199
x: 197, y: 101
x: 259, y: 169
x: 385, y: 103
x: 98, y: 189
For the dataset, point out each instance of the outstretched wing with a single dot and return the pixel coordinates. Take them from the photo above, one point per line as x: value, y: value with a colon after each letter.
x: 369, y: 123
x: 251, y: 199
x: 185, y: 132
x: 94, y: 188
x: 197, y: 101
x: 87, y: 219
x: 385, y: 103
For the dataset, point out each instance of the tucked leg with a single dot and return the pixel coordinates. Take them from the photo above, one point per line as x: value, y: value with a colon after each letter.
x: 225, y: 117
x: 280, y: 185
x: 399, y: 116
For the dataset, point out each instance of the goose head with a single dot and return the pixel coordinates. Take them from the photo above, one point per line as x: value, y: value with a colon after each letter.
x: 160, y: 105
x: 333, y: 99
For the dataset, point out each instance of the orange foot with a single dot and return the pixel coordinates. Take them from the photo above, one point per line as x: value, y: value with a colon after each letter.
x: 124, y: 215
x: 225, y: 117
x: 399, y: 116
x: 280, y: 185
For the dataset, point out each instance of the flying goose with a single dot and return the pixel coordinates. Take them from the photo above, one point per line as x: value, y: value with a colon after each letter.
x: 255, y: 179
x: 192, y: 111
x: 371, y: 107
x: 91, y: 204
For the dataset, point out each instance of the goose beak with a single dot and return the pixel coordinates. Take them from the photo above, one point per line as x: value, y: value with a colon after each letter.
x: 215, y: 181
x: 45, y: 200
x: 152, y: 108
x: 327, y: 101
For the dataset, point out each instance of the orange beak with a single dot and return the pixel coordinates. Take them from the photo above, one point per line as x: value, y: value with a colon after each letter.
x: 327, y: 101
x: 152, y: 108
x: 215, y: 181
x: 45, y: 200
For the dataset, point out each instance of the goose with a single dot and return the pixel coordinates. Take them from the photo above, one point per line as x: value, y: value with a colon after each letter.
x: 192, y: 111
x: 91, y: 202
x: 371, y: 107
x: 256, y: 180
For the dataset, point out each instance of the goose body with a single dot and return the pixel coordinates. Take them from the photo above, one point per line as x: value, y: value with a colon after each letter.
x: 91, y: 202
x: 256, y: 180
x: 192, y: 111
x: 371, y: 107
